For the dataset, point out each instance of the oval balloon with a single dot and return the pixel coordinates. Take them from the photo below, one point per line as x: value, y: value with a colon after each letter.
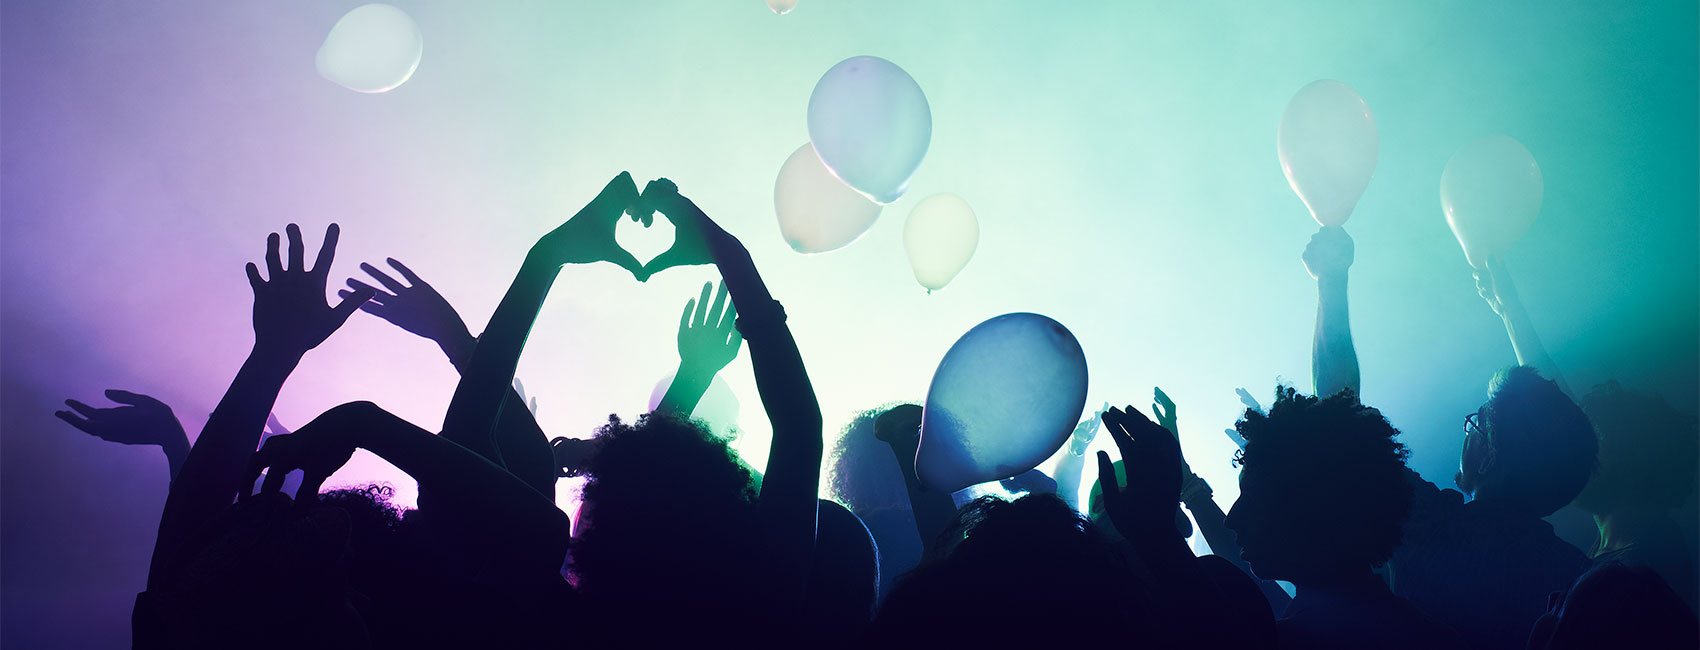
x: 870, y: 124
x: 1005, y: 397
x: 1328, y: 146
x: 817, y: 212
x: 718, y: 407
x: 373, y: 49
x: 1491, y: 191
x: 781, y: 7
x: 940, y: 237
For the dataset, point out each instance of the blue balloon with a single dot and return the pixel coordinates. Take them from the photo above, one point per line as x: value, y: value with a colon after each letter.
x: 1005, y: 397
x: 870, y: 124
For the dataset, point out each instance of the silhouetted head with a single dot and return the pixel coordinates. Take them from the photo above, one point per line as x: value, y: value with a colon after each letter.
x: 844, y: 578
x: 1529, y: 449
x: 668, y: 521
x: 864, y: 475
x: 1617, y: 606
x: 1323, y: 493
x: 1649, y: 452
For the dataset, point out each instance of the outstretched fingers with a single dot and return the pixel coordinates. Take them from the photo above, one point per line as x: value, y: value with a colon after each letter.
x: 297, y: 249
x: 347, y: 307
x: 327, y: 251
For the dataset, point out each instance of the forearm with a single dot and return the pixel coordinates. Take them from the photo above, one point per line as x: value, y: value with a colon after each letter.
x: 933, y: 510
x: 684, y: 393
x: 211, y: 472
x: 1527, y: 344
x: 1334, y: 360
x: 1069, y: 470
x: 472, y: 416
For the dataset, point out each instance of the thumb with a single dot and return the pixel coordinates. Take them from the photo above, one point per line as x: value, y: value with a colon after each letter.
x: 350, y: 304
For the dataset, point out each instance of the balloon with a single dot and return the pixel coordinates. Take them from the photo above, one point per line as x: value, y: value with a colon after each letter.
x: 781, y: 7
x: 940, y: 237
x: 1328, y: 145
x: 871, y: 125
x: 1005, y: 397
x: 1491, y: 192
x: 718, y: 407
x: 817, y: 212
x: 373, y: 49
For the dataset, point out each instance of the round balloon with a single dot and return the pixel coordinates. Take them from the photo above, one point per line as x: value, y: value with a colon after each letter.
x: 718, y: 407
x: 1005, y: 397
x: 1491, y: 192
x: 940, y: 237
x: 1328, y: 145
x: 373, y: 49
x: 870, y: 123
x: 817, y: 212
x: 781, y: 7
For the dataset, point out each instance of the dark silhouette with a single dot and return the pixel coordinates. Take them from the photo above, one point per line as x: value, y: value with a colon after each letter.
x: 843, y: 580
x: 866, y: 478
x: 1323, y: 497
x: 1648, y: 457
x: 142, y: 420
x: 1617, y: 606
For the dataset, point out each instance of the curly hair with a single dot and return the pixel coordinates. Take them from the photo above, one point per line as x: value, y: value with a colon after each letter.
x: 666, y: 502
x: 1337, y: 455
x: 1648, y: 451
x: 1545, y: 446
x: 863, y: 475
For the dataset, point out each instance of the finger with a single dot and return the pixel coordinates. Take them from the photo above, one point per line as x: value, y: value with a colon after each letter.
x: 327, y: 250
x: 81, y: 408
x: 729, y: 320
x: 377, y: 295
x: 297, y: 249
x: 72, y: 419
x: 347, y: 307
x: 701, y: 318
x: 259, y: 461
x: 274, y: 263
x: 533, y: 406
x: 1107, y: 482
x: 685, y: 316
x: 254, y: 279
x: 624, y: 260
x: 133, y: 399
x: 622, y: 190
x: 1163, y: 398
x: 412, y: 278
x: 736, y: 340
x: 382, y: 278
x: 719, y: 311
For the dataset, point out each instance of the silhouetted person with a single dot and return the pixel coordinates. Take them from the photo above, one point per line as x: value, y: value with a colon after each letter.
x: 866, y: 478
x: 1485, y: 566
x: 843, y: 581
x: 1322, y: 499
x: 1648, y: 457
x: 1617, y: 606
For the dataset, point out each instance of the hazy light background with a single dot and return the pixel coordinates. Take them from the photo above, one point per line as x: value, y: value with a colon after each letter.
x: 1120, y: 156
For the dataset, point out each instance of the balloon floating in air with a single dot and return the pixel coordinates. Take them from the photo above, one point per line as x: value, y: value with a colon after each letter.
x: 373, y: 49
x: 1491, y: 192
x: 940, y: 237
x: 781, y: 7
x: 1005, y: 397
x: 1328, y: 145
x: 817, y: 212
x: 718, y: 407
x: 870, y: 124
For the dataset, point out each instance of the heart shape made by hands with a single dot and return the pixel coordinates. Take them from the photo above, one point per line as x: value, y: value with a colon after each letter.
x: 644, y: 239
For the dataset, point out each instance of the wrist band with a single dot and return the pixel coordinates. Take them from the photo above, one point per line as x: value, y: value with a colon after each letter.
x: 758, y: 321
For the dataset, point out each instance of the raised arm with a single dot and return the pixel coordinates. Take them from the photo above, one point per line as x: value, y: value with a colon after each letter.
x: 1073, y: 463
x: 142, y: 420
x: 1334, y: 361
x: 521, y: 446
x: 1495, y: 285
x: 791, y: 482
x: 290, y: 318
x: 484, y: 383
x: 708, y: 340
x: 934, y: 510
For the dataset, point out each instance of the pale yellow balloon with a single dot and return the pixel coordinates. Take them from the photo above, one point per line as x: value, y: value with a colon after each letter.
x: 1328, y: 145
x: 940, y: 237
x: 781, y: 7
x: 1491, y: 192
x: 372, y: 49
x: 817, y: 212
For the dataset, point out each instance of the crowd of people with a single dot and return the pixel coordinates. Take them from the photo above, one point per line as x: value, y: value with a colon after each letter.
x: 678, y: 541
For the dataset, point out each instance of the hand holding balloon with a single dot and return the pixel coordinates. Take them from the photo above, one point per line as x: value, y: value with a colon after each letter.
x: 1329, y: 253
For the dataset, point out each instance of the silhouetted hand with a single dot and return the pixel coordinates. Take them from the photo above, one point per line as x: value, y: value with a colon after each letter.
x: 290, y: 313
x: 530, y: 403
x: 1164, y: 409
x: 1249, y: 401
x: 572, y: 455
x: 1032, y: 481
x: 1329, y: 253
x: 708, y: 340
x: 1086, y: 431
x: 142, y: 421
x: 589, y: 236
x: 900, y: 424
x: 273, y: 427
x: 1153, y: 460
x: 319, y: 448
x: 418, y: 308
x: 1495, y: 286
x: 695, y: 236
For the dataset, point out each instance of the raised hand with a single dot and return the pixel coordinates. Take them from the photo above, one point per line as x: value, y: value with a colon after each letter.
x: 1495, y: 286
x: 319, y: 448
x: 696, y: 238
x: 572, y: 455
x: 530, y: 403
x: 708, y: 340
x: 1329, y: 253
x: 142, y: 420
x: 589, y: 236
x: 290, y: 313
x: 1249, y: 401
x: 418, y: 308
x: 1153, y: 460
x: 1086, y: 431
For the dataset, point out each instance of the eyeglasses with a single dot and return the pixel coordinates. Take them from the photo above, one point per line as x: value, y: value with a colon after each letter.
x: 1472, y: 423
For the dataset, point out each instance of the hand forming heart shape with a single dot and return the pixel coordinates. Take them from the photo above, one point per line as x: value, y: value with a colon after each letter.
x: 589, y: 235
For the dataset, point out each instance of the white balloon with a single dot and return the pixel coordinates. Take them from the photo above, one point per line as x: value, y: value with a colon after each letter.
x: 373, y: 49
x: 871, y: 125
x: 940, y: 237
x: 781, y: 7
x: 1491, y: 192
x: 817, y: 212
x: 1328, y: 145
x: 718, y: 407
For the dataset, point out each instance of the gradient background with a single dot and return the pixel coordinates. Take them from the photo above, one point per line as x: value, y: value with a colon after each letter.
x: 1120, y: 155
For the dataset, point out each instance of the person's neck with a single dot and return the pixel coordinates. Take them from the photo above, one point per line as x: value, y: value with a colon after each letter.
x: 1625, y: 528
x: 1347, y: 583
